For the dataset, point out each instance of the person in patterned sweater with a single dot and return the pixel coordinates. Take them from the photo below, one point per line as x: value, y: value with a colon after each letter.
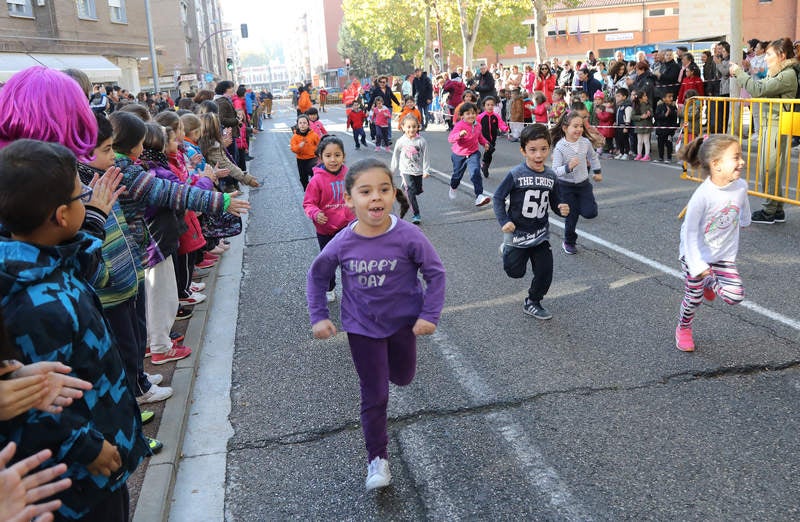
x: 51, y: 313
x: 530, y: 187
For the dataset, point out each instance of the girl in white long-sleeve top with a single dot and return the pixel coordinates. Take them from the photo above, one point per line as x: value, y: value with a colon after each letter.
x: 573, y: 155
x: 710, y: 231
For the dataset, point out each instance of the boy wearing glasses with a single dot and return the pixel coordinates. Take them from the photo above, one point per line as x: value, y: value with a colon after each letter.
x: 51, y: 313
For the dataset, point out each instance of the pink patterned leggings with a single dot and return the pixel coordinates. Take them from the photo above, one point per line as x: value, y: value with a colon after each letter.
x: 724, y: 280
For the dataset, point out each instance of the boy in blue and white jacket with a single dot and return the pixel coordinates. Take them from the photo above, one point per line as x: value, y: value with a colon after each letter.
x: 51, y: 313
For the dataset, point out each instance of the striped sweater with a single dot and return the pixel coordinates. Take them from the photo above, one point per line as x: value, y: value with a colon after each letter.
x: 143, y: 189
x: 120, y: 254
x: 582, y: 149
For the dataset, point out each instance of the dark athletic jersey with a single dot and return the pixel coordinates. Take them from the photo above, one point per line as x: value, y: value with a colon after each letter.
x: 529, y: 193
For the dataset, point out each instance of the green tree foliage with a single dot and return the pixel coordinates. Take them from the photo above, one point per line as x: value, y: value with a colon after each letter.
x: 394, y: 27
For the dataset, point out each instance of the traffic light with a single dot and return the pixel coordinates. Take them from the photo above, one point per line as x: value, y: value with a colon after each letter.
x: 230, y: 64
x: 437, y: 52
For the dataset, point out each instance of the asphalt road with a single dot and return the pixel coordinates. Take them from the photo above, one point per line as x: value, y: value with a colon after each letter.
x: 591, y: 416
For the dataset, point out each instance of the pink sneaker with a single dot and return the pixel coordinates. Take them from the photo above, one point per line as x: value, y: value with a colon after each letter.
x: 646, y: 158
x: 638, y: 157
x: 683, y: 339
x: 176, y: 353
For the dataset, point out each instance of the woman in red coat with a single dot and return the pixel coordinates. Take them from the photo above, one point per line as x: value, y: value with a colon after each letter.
x: 545, y: 82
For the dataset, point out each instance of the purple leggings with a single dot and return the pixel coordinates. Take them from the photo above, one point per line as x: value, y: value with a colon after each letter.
x: 377, y: 362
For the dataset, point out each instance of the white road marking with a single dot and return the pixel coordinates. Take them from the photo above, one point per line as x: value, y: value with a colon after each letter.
x: 541, y: 475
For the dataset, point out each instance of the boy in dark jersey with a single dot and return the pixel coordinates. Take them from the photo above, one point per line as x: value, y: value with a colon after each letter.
x: 531, y: 187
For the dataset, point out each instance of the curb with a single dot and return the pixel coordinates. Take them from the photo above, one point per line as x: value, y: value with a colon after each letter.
x: 159, y: 479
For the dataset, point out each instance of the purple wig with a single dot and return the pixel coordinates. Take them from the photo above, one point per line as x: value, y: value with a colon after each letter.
x: 47, y: 105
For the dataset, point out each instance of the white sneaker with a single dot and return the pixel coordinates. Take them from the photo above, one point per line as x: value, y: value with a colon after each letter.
x: 618, y: 156
x: 330, y: 296
x: 197, y: 287
x: 378, y: 474
x: 482, y: 200
x: 154, y: 378
x: 452, y: 193
x: 156, y: 393
x: 625, y: 157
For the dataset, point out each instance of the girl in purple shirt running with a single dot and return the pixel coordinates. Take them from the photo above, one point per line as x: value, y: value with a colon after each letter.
x: 384, y: 305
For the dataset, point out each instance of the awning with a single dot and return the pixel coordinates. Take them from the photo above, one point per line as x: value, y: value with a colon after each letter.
x: 98, y: 68
x: 11, y: 63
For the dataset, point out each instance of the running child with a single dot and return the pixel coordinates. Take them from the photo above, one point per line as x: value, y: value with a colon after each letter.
x: 382, y: 117
x: 355, y: 121
x: 571, y: 156
x: 410, y: 160
x: 491, y: 125
x: 409, y: 107
x: 710, y: 230
x: 531, y: 187
x: 304, y: 145
x: 315, y: 123
x: 385, y: 306
x: 324, y: 201
x: 466, y: 137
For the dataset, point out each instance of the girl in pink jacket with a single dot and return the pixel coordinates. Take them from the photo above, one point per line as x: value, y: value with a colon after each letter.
x: 466, y: 138
x: 324, y: 199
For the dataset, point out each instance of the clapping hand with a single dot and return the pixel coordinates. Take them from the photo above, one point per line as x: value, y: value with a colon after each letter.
x: 61, y: 388
x: 19, y: 491
x: 106, y: 189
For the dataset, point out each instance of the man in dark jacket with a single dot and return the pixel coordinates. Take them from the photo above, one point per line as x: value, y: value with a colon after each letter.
x: 485, y: 83
x: 384, y: 91
x: 588, y: 82
x: 422, y: 91
x: 667, y: 78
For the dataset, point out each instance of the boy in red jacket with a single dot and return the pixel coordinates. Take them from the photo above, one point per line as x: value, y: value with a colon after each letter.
x: 355, y: 121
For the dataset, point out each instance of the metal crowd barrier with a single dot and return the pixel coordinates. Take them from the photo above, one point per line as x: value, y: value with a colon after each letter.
x: 764, y: 127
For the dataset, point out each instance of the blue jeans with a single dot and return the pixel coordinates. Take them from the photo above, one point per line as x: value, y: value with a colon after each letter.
x: 382, y: 135
x: 359, y: 132
x: 462, y: 163
x: 580, y: 199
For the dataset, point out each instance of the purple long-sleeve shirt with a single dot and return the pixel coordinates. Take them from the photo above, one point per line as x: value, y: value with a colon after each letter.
x: 381, y: 292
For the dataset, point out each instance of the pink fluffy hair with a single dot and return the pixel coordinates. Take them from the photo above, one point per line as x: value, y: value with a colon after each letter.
x: 44, y: 104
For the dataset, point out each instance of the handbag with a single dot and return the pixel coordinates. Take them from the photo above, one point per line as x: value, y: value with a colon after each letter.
x: 220, y: 226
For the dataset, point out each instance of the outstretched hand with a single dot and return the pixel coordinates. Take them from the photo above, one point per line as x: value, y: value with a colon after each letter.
x: 238, y: 206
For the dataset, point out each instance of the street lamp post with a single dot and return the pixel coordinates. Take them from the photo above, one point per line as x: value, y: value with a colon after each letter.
x: 151, y: 43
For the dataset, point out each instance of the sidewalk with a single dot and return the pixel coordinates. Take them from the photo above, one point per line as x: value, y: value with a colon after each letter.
x: 151, y: 487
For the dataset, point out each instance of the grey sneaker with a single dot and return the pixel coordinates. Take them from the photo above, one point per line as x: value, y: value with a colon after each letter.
x: 378, y: 474
x: 535, y: 309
